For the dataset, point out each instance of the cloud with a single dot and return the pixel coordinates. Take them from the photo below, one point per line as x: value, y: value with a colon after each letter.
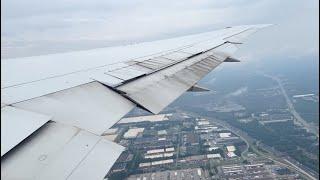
x: 238, y: 92
x: 211, y: 81
x: 39, y: 27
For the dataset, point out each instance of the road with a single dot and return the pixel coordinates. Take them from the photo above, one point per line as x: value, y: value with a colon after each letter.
x: 310, y: 128
x: 272, y: 153
x: 302, y: 170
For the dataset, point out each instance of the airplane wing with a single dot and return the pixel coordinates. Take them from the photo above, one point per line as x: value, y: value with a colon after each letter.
x: 55, y: 108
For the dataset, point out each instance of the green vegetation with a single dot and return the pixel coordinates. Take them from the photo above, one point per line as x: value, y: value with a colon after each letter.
x: 309, y: 110
x: 284, y: 137
x: 300, y: 76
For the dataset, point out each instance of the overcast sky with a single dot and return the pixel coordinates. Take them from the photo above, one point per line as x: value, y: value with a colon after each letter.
x: 37, y: 27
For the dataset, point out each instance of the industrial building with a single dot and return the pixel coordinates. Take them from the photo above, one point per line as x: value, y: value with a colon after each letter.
x: 185, y: 174
x: 150, y: 118
x: 133, y: 133
x: 251, y: 171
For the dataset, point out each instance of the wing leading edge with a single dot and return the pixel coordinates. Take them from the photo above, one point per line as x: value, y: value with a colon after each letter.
x: 74, y: 97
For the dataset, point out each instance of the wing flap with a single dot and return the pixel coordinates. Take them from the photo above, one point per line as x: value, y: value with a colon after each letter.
x: 93, y: 107
x: 17, y: 125
x: 58, y: 151
x: 155, y: 91
x: 98, y: 162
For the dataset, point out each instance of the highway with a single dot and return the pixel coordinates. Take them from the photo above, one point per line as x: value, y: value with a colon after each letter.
x: 310, y: 128
x: 273, y: 154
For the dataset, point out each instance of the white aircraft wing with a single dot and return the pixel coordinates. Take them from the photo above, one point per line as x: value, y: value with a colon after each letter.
x: 55, y: 108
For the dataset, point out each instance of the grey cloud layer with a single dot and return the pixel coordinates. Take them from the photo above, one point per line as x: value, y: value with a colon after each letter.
x: 38, y: 27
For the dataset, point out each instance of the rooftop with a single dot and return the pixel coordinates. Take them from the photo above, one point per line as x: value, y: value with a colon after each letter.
x: 231, y: 154
x: 231, y: 148
x: 132, y: 133
x: 224, y: 135
x: 205, y: 122
x: 209, y: 156
x: 195, y: 174
x: 150, y: 118
x: 162, y: 132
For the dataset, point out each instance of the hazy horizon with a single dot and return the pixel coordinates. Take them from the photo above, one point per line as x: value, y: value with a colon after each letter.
x: 38, y: 27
